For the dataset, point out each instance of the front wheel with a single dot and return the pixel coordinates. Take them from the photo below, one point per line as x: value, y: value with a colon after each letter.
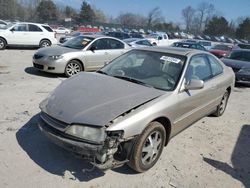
x: 148, y: 147
x: 222, y: 106
x: 2, y: 44
x: 44, y: 43
x: 73, y: 67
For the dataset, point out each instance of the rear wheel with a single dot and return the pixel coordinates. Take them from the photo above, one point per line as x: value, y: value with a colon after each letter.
x: 148, y: 147
x: 73, y: 67
x: 2, y: 44
x: 44, y: 43
x: 222, y: 106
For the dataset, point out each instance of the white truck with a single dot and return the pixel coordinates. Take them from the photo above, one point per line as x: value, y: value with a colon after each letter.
x: 161, y: 39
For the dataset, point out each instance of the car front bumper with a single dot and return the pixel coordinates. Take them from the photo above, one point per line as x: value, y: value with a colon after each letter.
x: 47, y: 65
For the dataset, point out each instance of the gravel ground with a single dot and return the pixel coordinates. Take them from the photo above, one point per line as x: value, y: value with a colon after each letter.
x: 214, y: 152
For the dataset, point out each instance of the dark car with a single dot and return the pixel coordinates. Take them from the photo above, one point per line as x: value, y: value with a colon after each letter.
x: 242, y: 46
x: 221, y: 50
x: 192, y: 45
x: 239, y: 61
x: 119, y: 35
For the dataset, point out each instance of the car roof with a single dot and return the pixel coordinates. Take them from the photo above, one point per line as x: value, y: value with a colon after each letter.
x: 174, y: 50
x: 31, y: 23
x: 241, y: 50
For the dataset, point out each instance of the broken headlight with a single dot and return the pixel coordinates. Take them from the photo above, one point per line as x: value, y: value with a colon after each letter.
x: 87, y: 133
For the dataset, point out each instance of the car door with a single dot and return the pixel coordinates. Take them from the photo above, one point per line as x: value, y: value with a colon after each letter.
x: 115, y: 48
x: 18, y: 35
x: 35, y: 34
x: 97, y: 54
x: 195, y: 104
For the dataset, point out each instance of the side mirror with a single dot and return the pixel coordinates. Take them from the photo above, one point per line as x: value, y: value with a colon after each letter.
x: 12, y: 30
x: 194, y: 84
x: 92, y: 48
x: 159, y: 38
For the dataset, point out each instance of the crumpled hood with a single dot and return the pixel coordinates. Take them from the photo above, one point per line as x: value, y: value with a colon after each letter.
x: 55, y: 50
x: 95, y: 99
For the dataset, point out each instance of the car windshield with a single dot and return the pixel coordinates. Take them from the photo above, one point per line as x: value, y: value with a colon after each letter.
x: 152, y: 69
x: 222, y: 47
x: 79, y: 42
x: 240, y: 55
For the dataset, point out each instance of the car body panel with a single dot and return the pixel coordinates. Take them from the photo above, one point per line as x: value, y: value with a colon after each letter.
x: 91, y: 107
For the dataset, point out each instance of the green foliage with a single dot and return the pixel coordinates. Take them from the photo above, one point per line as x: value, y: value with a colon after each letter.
x: 217, y: 26
x: 243, y: 31
x: 46, y: 11
x: 87, y: 14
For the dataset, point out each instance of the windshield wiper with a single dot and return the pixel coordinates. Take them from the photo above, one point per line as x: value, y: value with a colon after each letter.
x: 101, y: 72
x: 133, y: 80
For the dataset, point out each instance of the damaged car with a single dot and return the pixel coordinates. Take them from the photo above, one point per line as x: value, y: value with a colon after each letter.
x: 126, y: 112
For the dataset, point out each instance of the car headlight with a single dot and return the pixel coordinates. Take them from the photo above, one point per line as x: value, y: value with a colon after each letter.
x: 56, y: 57
x: 87, y: 133
x: 245, y: 70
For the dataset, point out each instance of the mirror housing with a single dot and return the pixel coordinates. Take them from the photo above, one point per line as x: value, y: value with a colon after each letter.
x: 12, y: 30
x: 92, y: 48
x: 194, y: 84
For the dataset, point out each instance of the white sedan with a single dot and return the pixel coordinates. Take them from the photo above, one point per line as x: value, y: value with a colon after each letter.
x: 62, y: 30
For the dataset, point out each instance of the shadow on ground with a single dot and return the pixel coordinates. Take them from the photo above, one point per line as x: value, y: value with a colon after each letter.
x: 35, y: 72
x: 50, y: 157
x: 240, y: 158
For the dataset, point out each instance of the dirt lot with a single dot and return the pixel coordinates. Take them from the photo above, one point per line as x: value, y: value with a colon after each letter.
x: 215, y: 152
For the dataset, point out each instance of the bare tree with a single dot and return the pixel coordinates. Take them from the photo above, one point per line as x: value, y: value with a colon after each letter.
x: 130, y: 19
x: 188, y: 14
x: 154, y: 17
x: 205, y: 12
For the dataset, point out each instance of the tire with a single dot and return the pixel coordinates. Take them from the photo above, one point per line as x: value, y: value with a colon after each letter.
x: 44, y: 43
x: 143, y: 155
x: 2, y: 44
x: 222, y: 106
x: 73, y: 67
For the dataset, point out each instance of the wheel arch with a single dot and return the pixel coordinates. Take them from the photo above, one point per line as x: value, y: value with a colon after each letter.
x: 78, y: 60
x: 4, y: 40
x: 229, y: 89
x: 45, y: 39
x: 167, y: 125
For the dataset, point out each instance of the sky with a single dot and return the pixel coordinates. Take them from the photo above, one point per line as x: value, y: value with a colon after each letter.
x: 171, y: 9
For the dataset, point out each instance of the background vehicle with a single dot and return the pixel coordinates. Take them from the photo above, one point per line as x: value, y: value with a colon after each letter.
x: 147, y: 97
x: 3, y: 24
x: 221, y: 50
x: 62, y: 30
x: 192, y: 45
x: 239, y: 61
x: 82, y: 53
x: 160, y: 39
x: 137, y: 42
x: 27, y: 34
x: 119, y: 35
x: 242, y: 46
x: 75, y: 34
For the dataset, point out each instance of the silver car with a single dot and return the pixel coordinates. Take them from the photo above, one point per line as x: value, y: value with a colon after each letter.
x: 82, y: 53
x: 137, y: 42
x: 128, y: 111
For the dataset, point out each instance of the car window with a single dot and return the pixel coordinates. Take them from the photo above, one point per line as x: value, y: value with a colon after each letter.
x: 240, y: 55
x: 144, y: 42
x: 215, y: 66
x: 200, y: 47
x: 20, y: 27
x: 34, y: 28
x: 100, y: 44
x: 198, y: 68
x: 156, y: 69
x: 114, y: 44
x: 47, y: 28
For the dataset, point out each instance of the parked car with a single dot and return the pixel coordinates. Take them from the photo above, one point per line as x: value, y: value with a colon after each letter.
x: 242, y: 46
x: 136, y: 35
x: 82, y: 53
x: 239, y: 61
x: 74, y: 34
x: 160, y: 39
x: 129, y: 110
x: 221, y: 50
x: 62, y: 30
x: 193, y: 45
x: 137, y: 42
x: 119, y: 35
x: 27, y: 34
x: 3, y: 24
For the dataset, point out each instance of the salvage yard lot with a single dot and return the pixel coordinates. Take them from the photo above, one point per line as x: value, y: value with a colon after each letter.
x: 214, y: 152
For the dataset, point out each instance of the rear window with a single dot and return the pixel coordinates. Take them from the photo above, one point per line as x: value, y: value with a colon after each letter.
x: 244, y: 46
x: 47, y: 28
